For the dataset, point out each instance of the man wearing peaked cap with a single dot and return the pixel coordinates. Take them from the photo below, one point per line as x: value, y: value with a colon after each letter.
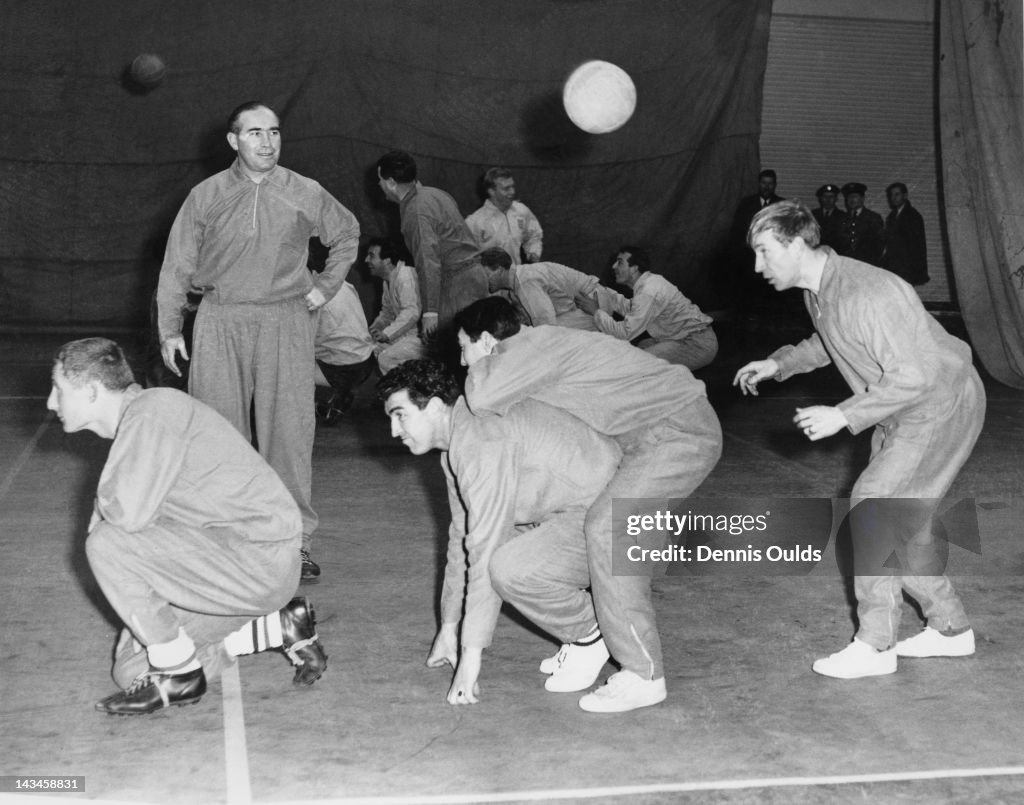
x: 864, y: 229
x: 830, y: 218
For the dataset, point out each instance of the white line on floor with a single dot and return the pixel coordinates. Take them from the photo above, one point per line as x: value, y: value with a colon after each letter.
x: 236, y: 755
x: 671, y: 788
x: 23, y: 458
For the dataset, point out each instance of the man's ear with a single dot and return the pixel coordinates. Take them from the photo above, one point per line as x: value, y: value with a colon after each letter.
x: 490, y: 342
x: 435, y: 405
x: 233, y: 140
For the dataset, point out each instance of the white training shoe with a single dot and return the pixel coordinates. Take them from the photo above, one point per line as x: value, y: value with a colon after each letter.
x: 622, y: 692
x: 550, y: 664
x: 578, y: 666
x: 932, y: 643
x: 856, y: 660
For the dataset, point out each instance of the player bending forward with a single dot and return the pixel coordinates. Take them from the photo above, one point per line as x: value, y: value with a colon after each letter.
x: 194, y: 540
x: 914, y: 384
x: 659, y: 416
x: 519, y: 487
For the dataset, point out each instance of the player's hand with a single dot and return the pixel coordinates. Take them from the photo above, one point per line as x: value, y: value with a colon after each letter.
x: 445, y: 650
x: 429, y: 323
x: 315, y: 299
x: 170, y: 348
x: 378, y: 335
x: 588, y: 304
x: 465, y: 689
x: 753, y: 373
x: 820, y: 421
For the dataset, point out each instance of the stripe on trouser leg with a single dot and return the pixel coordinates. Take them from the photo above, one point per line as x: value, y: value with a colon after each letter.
x: 643, y: 648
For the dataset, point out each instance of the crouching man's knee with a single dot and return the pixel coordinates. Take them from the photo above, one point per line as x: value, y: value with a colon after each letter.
x: 105, y: 545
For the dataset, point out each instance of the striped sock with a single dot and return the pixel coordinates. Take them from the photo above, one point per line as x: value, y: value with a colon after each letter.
x: 257, y: 635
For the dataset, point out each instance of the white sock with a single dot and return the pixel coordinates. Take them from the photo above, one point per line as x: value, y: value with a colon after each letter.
x: 175, y: 656
x: 590, y: 639
x: 257, y: 635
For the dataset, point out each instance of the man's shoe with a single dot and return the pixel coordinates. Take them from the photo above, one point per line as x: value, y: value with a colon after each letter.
x: 154, y: 690
x: 301, y: 642
x: 932, y: 643
x: 335, y: 406
x: 856, y: 660
x: 550, y: 664
x: 623, y: 692
x: 578, y: 666
x: 310, y: 569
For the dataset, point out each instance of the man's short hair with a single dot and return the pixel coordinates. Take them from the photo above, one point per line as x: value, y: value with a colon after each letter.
x: 786, y: 220
x: 95, y: 359
x: 234, y: 126
x: 493, y: 174
x: 492, y: 314
x: 637, y: 257
x: 421, y: 380
x: 767, y: 173
x: 898, y: 185
x: 389, y: 250
x: 397, y: 165
x: 495, y: 258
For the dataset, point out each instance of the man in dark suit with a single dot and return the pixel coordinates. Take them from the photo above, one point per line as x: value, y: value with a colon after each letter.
x: 906, y: 251
x: 864, y: 229
x: 745, y: 285
x: 830, y: 218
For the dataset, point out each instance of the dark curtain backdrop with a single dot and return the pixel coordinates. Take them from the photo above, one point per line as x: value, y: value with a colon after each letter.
x: 92, y: 174
x: 981, y: 84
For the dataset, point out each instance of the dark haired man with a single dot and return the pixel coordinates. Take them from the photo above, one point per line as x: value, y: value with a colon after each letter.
x: 670, y: 438
x: 548, y: 293
x: 906, y: 248
x: 395, y: 330
x: 744, y: 287
x: 658, y: 318
x: 193, y: 538
x: 443, y: 249
x: 915, y: 385
x: 242, y: 239
x: 519, y: 488
x: 504, y: 222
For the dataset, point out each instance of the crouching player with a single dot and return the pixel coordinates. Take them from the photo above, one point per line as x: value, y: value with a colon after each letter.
x: 519, y: 488
x: 194, y: 540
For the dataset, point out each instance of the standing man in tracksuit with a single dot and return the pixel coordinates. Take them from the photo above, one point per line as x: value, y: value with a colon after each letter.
x: 242, y: 239
x: 915, y: 385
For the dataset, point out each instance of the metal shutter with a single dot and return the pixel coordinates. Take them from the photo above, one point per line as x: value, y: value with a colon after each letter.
x: 853, y: 100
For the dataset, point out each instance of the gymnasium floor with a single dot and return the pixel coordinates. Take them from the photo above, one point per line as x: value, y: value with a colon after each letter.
x: 746, y: 720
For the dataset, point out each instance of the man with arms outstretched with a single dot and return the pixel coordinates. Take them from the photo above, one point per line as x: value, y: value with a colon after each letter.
x: 914, y: 384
